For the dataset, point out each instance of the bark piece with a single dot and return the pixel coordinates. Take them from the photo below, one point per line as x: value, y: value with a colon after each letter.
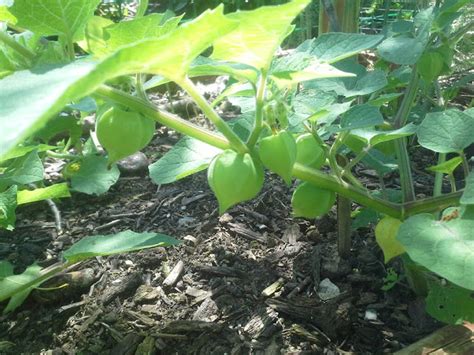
x: 334, y: 319
x: 452, y: 339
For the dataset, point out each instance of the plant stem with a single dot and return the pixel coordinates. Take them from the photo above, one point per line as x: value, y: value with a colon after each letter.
x: 17, y: 47
x: 207, y: 109
x: 431, y: 204
x: 452, y: 182
x: 465, y: 163
x: 259, y: 101
x: 406, y: 179
x: 438, y: 183
x: 165, y: 118
x: 328, y: 182
x: 357, y: 159
x: 56, y: 155
x: 142, y: 6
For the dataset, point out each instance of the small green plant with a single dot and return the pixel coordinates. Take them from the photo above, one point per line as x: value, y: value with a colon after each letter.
x: 317, y: 98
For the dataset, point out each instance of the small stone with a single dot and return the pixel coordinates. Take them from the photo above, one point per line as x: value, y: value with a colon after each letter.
x: 328, y: 290
x: 370, y: 314
x: 146, y: 293
x: 135, y: 164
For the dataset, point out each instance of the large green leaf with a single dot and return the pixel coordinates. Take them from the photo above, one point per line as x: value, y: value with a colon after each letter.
x: 258, y: 35
x: 54, y: 17
x: 446, y: 248
x: 333, y: 47
x: 22, y: 171
x: 447, y: 131
x: 48, y: 91
x: 94, y: 176
x: 123, y: 242
x: 187, y: 157
x: 7, y: 208
x: 51, y: 192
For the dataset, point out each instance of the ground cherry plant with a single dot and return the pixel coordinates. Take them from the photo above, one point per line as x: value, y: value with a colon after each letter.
x: 310, y: 117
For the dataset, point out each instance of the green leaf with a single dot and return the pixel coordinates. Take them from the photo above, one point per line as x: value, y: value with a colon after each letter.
x: 333, y: 47
x: 7, y: 208
x: 54, y: 191
x: 448, y: 131
x: 374, y: 137
x: 61, y: 124
x: 48, y: 91
x: 467, y: 197
x: 383, y: 99
x: 258, y: 34
x: 147, y: 27
x: 22, y: 150
x: 447, y: 167
x: 446, y: 248
x: 402, y: 49
x: 22, y: 171
x: 361, y: 116
x: 314, y: 71
x: 94, y: 176
x: 365, y: 82
x: 13, y: 287
x: 95, y: 37
x: 123, y: 242
x: 187, y: 157
x: 54, y: 17
x: 449, y: 303
x: 6, y: 269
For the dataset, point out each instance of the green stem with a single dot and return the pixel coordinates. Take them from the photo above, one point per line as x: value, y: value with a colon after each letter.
x: 357, y: 159
x: 452, y: 182
x: 52, y: 154
x: 17, y: 47
x: 141, y: 92
x: 438, y: 183
x: 328, y: 182
x: 432, y: 204
x: 465, y: 163
x: 207, y: 109
x: 333, y: 152
x: 406, y: 178
x: 142, y: 6
x: 259, y: 101
x: 165, y: 118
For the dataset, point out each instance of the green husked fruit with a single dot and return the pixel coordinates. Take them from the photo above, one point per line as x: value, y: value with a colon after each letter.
x: 386, y: 237
x: 309, y: 152
x: 310, y: 201
x: 234, y: 178
x: 123, y: 133
x: 278, y: 153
